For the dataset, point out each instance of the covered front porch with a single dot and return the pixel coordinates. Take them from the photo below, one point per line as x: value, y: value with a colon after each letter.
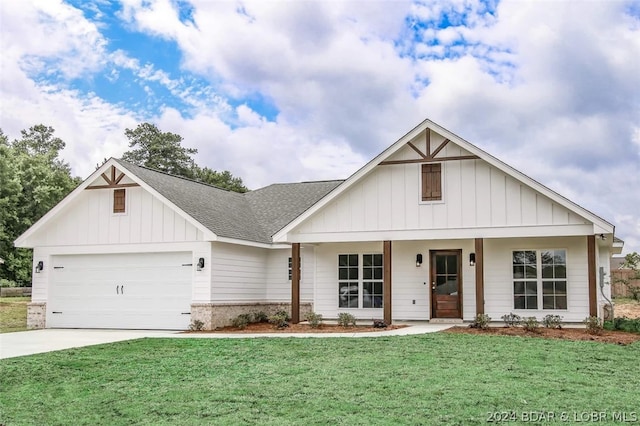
x: 433, y: 280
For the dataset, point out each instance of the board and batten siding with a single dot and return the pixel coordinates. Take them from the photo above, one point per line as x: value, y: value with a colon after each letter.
x: 475, y: 194
x: 409, y: 283
x: 498, y: 276
x: 89, y: 220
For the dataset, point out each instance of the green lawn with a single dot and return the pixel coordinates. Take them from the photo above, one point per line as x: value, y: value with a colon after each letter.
x: 439, y: 379
x: 13, y: 314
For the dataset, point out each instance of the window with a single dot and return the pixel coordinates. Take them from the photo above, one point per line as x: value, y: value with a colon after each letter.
x: 554, y: 279
x: 119, y: 196
x: 290, y: 269
x: 372, y: 281
x: 360, y: 281
x: 539, y: 276
x: 432, y: 182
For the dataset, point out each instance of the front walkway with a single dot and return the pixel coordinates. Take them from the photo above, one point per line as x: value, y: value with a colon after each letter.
x: 48, y: 340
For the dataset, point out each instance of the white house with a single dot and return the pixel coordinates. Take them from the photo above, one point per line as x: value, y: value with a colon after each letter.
x: 433, y: 228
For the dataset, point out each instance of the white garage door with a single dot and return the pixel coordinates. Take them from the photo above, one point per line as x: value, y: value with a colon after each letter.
x: 134, y: 291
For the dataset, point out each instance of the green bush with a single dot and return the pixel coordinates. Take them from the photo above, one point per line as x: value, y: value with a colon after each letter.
x: 623, y: 324
x: 345, y: 319
x: 241, y: 321
x: 196, y: 325
x: 552, y: 321
x: 7, y: 283
x: 378, y: 323
x: 594, y: 325
x: 512, y: 320
x: 315, y: 320
x: 284, y: 314
x: 531, y: 324
x: 481, y: 321
x: 280, y: 319
x: 260, y: 316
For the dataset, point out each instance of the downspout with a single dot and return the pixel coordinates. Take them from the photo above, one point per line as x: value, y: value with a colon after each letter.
x: 602, y: 291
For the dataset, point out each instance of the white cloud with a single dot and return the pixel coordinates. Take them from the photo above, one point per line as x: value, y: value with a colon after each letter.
x: 553, y: 91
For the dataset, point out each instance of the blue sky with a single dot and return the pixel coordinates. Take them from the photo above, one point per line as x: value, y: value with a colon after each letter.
x: 551, y: 88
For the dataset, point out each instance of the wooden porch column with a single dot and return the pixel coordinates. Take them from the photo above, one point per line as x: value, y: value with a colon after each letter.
x: 591, y: 265
x: 479, y: 276
x: 386, y: 283
x: 295, y: 283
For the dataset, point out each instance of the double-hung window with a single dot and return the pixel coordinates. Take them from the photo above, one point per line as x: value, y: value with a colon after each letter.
x: 539, y: 279
x: 360, y: 281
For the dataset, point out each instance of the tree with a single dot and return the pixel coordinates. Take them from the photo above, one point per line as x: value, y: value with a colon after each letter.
x: 33, y: 179
x: 632, y: 280
x: 163, y: 151
x: 39, y: 140
x: 160, y: 151
x: 223, y: 179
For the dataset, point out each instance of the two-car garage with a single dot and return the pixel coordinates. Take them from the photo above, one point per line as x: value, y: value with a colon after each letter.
x: 123, y: 291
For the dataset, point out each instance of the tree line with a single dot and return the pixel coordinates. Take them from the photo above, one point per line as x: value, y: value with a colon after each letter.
x: 34, y: 178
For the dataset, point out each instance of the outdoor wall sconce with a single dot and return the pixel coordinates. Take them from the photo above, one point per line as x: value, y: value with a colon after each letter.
x: 472, y: 259
x: 39, y: 267
x: 200, y: 265
x: 418, y: 259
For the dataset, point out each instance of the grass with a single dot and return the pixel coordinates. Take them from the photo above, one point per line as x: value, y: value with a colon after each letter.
x: 13, y: 314
x: 439, y: 379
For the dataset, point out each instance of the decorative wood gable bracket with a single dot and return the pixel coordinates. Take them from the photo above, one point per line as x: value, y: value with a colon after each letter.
x: 113, y: 181
x: 430, y: 157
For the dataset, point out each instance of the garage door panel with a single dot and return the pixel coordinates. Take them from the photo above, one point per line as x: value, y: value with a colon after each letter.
x: 143, y: 291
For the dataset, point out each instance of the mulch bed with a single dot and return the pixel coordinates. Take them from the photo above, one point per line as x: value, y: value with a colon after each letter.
x: 615, y: 337
x: 299, y: 328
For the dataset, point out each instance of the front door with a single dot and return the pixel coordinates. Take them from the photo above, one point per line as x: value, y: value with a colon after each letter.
x: 446, y: 288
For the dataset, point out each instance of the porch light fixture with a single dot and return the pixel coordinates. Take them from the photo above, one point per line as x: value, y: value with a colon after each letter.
x: 39, y: 267
x: 200, y: 264
x: 418, y: 259
x: 472, y: 259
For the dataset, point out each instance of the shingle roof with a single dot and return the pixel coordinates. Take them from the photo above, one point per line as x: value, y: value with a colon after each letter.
x: 276, y: 205
x: 252, y: 216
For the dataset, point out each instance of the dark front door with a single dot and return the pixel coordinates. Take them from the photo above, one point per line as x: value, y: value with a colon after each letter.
x: 446, y: 285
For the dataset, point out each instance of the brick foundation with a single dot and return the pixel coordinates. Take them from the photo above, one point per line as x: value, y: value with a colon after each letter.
x: 36, y: 315
x: 217, y: 315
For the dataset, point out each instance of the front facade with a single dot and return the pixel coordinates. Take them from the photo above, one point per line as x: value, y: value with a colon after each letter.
x: 431, y: 229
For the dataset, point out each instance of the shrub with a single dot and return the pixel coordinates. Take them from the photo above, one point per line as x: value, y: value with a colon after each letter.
x: 7, y: 283
x: 623, y: 324
x: 531, y: 324
x: 260, y: 316
x: 594, y: 325
x: 512, y: 320
x: 481, y: 321
x: 345, y: 319
x: 241, y: 321
x: 284, y: 314
x: 315, y: 320
x: 280, y: 319
x: 196, y: 325
x: 552, y: 321
x: 378, y: 323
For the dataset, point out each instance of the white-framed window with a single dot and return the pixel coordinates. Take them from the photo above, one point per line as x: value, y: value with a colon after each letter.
x: 360, y: 282
x: 290, y: 268
x: 540, y: 279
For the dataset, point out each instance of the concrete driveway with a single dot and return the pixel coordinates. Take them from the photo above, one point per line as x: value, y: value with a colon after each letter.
x: 47, y: 340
